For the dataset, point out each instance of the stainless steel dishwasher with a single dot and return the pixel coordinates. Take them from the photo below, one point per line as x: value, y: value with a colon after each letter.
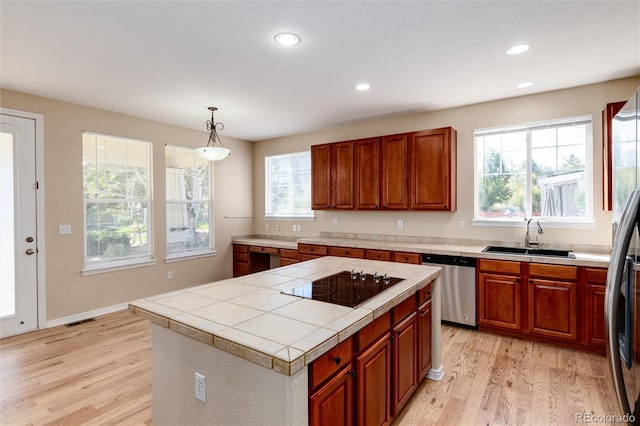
x: 458, y: 287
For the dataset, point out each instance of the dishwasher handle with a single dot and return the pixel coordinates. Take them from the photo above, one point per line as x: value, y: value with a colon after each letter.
x: 440, y: 259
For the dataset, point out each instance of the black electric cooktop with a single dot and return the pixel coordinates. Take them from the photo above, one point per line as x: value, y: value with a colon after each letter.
x: 344, y: 288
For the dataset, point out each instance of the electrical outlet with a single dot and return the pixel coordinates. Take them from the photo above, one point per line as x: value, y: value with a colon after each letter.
x: 277, y: 226
x: 169, y: 275
x: 294, y: 228
x: 201, y: 387
x: 461, y: 225
x: 298, y: 228
x: 266, y: 226
x: 335, y: 221
x: 400, y: 223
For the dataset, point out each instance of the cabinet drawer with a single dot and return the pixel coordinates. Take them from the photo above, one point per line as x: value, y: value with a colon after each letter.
x: 374, y: 331
x: 403, y: 309
x: 261, y: 249
x: 596, y: 276
x: 424, y: 294
x: 240, y: 257
x: 240, y: 248
x: 312, y: 249
x: 332, y: 361
x: 414, y: 258
x: 553, y: 271
x: 302, y: 257
x: 284, y: 261
x: 346, y: 252
x: 377, y: 255
x: 501, y: 266
x: 289, y: 254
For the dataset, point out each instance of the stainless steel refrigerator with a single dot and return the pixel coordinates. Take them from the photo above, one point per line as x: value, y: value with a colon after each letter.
x: 622, y: 301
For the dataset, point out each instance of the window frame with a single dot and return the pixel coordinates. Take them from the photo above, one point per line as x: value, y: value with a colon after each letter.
x: 197, y: 252
x: 267, y: 191
x: 96, y: 267
x: 585, y: 222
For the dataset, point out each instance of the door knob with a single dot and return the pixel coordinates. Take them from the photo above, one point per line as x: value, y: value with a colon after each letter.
x: 30, y: 252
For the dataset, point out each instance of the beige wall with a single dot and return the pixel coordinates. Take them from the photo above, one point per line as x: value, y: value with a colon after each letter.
x: 564, y: 103
x: 67, y: 291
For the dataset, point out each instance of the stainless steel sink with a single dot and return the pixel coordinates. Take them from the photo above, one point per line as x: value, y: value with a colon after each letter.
x: 530, y: 251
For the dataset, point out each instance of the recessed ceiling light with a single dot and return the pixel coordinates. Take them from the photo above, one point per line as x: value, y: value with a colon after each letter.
x: 362, y: 87
x: 524, y: 85
x: 287, y: 39
x: 517, y: 49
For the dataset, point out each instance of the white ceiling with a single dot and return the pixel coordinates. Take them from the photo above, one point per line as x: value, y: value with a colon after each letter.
x: 169, y: 60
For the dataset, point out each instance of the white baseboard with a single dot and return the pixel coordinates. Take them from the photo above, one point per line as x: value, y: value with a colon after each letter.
x: 85, y: 315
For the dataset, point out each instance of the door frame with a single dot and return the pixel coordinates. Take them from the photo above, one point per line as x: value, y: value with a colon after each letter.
x: 41, y: 264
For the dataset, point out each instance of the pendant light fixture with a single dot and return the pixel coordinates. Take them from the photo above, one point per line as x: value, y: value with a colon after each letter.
x: 212, y: 152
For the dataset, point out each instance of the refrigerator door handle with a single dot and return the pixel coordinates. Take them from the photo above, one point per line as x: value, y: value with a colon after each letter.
x: 613, y: 294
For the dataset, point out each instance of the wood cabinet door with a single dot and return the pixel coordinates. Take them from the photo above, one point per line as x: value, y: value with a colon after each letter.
x: 432, y: 183
x: 405, y: 361
x: 321, y: 177
x: 553, y: 309
x: 342, y: 183
x: 594, y: 311
x: 367, y: 173
x: 424, y: 339
x: 240, y: 268
x: 395, y: 173
x: 373, y: 375
x: 333, y: 403
x: 499, y: 301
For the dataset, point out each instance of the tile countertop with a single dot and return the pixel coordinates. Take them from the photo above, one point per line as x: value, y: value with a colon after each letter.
x: 468, y: 248
x: 249, y: 317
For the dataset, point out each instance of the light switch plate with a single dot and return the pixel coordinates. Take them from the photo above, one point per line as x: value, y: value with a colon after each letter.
x: 201, y: 387
x: 64, y: 229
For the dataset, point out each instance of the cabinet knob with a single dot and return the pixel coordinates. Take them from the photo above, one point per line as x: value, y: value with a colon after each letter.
x: 337, y: 360
x: 352, y: 373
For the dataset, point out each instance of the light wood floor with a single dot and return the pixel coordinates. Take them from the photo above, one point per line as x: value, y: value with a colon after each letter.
x: 100, y: 373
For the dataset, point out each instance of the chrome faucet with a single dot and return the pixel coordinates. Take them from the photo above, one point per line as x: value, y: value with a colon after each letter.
x: 527, y: 242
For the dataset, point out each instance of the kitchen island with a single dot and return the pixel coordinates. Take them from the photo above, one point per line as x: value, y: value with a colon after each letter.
x: 253, y: 344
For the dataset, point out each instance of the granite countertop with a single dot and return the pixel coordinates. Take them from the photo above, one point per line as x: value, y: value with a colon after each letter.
x: 469, y: 248
x: 249, y: 317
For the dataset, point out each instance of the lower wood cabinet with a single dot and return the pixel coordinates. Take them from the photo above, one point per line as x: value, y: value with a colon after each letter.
x: 595, y: 280
x: 499, y: 294
x: 424, y: 332
x: 555, y: 303
x: 390, y: 358
x: 405, y: 361
x: 333, y: 402
x: 373, y: 374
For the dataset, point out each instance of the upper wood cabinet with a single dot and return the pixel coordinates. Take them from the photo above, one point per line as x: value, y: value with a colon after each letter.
x: 382, y: 172
x: 332, y: 176
x: 367, y: 173
x: 433, y: 159
x: 395, y: 172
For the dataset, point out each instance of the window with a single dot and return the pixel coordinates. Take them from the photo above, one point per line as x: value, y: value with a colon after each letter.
x: 188, y: 178
x: 288, y: 185
x: 534, y: 170
x: 117, y: 199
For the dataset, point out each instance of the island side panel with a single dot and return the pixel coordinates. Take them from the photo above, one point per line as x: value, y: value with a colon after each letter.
x: 437, y: 369
x: 237, y: 391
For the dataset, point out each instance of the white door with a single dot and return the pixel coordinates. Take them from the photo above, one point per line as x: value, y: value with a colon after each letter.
x: 18, y: 245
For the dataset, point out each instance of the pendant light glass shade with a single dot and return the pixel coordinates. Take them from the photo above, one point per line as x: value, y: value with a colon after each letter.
x: 213, y: 152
